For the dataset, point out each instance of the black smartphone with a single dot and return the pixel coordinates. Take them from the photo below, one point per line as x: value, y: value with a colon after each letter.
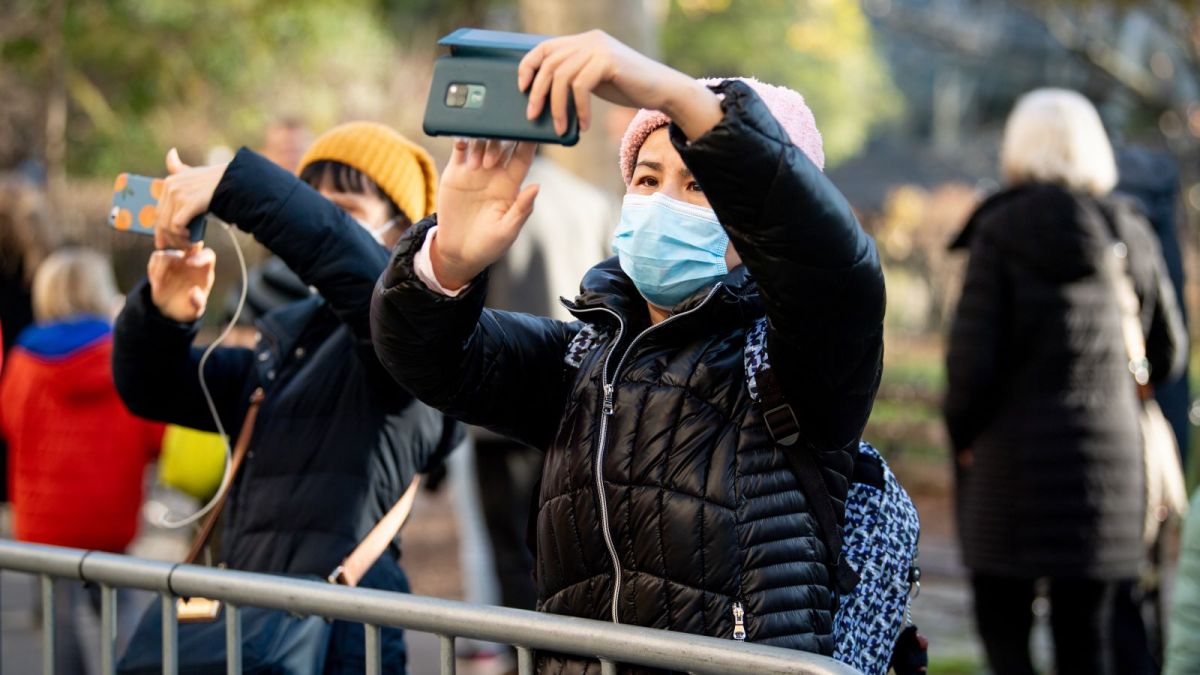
x: 135, y: 206
x: 474, y: 92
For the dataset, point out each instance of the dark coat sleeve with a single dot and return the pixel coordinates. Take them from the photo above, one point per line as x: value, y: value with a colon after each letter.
x: 320, y: 242
x: 973, y: 352
x: 499, y: 370
x: 817, y: 270
x: 155, y: 369
x: 317, y: 240
x: 1162, y: 319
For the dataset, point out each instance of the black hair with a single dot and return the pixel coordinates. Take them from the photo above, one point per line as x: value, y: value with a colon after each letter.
x: 346, y: 178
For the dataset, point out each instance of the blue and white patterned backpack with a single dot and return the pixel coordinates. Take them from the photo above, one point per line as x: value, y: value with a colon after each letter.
x: 875, y: 551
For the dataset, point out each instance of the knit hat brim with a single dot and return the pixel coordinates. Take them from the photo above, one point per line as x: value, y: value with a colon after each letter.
x: 403, y: 170
x: 785, y: 104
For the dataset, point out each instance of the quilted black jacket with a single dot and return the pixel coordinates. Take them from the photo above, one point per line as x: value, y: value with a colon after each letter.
x: 1039, y: 388
x: 674, y: 504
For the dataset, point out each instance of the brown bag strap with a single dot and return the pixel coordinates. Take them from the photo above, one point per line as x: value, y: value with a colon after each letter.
x: 355, y: 565
x: 239, y: 455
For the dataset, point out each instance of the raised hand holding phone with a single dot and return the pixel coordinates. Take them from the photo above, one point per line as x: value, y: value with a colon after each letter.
x: 186, y: 193
x: 595, y: 62
x: 481, y: 205
x: 181, y: 272
x: 180, y: 282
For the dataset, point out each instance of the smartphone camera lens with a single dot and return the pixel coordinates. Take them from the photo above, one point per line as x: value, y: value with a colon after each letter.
x: 456, y: 95
x: 459, y: 95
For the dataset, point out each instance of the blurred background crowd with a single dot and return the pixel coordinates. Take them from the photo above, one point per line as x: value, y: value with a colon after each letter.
x: 911, y: 97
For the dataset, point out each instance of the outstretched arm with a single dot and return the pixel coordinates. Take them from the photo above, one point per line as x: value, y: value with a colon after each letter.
x: 155, y: 368
x: 318, y: 240
x: 817, y: 270
x: 500, y: 370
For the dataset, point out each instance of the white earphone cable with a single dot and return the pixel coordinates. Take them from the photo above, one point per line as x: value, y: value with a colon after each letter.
x: 212, y: 406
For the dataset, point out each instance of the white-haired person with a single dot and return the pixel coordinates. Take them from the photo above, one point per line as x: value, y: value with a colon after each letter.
x: 1041, y: 407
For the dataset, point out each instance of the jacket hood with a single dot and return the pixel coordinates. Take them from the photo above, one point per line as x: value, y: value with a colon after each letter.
x: 70, y: 357
x: 1056, y: 233
x: 607, y: 286
x: 61, y: 339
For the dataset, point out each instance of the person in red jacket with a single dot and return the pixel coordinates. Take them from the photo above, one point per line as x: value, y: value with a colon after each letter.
x: 77, y: 456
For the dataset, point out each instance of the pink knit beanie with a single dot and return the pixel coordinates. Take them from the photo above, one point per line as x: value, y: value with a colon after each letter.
x: 785, y: 104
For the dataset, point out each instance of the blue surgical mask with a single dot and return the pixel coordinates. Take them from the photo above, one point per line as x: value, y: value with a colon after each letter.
x: 670, y: 249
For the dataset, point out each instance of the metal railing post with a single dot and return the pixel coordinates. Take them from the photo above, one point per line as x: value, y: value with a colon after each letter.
x: 607, y: 667
x: 374, y: 649
x: 524, y: 661
x: 108, y: 630
x: 170, y: 635
x: 447, y: 644
x: 233, y: 639
x: 48, y: 621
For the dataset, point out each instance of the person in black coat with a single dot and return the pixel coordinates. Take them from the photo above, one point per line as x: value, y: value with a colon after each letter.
x: 1041, y: 407
x: 664, y: 501
x: 336, y: 440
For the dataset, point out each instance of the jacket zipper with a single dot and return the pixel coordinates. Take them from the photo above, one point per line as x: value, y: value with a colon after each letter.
x: 739, y: 622
x: 609, y: 388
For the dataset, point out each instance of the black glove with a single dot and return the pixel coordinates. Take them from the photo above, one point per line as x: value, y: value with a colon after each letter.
x: 910, y: 656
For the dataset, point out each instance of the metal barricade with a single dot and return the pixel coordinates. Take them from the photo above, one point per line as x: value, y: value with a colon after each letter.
x: 449, y: 619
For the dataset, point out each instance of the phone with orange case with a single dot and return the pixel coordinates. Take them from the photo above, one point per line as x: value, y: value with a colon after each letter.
x: 135, y: 206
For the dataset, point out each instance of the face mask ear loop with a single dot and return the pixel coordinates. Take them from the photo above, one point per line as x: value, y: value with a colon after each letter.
x: 379, y: 231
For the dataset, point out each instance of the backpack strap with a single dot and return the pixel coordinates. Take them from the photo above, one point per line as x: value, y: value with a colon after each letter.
x: 784, y: 428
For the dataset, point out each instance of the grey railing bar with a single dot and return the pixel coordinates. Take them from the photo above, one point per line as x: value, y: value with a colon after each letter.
x: 374, y: 650
x: 446, y: 642
x: 48, y: 621
x: 233, y: 639
x: 119, y: 571
x: 108, y: 630
x: 534, y: 630
x: 608, y: 667
x: 170, y: 635
x: 570, y: 635
x: 524, y: 661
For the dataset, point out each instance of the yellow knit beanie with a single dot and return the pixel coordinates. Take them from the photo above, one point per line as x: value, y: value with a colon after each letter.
x: 401, y: 168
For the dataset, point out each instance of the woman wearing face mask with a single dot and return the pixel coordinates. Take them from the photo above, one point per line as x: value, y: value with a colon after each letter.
x: 336, y: 441
x: 664, y: 501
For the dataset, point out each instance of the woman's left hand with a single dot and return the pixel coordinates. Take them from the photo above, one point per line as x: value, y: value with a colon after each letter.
x: 595, y: 62
x: 187, y: 193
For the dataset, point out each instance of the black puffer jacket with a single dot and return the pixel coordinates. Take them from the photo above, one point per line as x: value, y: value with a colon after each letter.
x: 336, y: 440
x: 1039, y: 388
x: 680, y: 489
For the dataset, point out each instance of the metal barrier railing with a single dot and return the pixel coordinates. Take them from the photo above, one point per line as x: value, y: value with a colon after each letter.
x: 449, y: 619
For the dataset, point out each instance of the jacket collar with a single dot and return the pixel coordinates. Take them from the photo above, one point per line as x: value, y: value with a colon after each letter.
x: 606, y: 286
x: 283, y: 328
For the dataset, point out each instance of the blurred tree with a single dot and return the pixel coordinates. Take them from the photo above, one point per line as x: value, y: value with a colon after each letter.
x: 120, y: 80
x: 433, y: 18
x: 823, y: 49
